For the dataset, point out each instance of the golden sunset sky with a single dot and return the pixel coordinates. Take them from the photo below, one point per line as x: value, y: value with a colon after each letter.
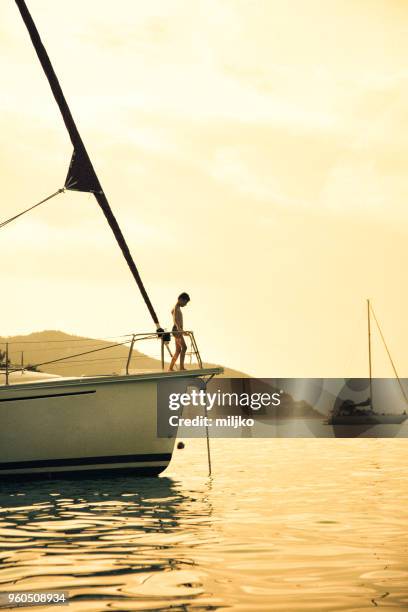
x: 255, y: 155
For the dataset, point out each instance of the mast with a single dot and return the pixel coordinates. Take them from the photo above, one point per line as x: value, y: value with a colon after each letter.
x: 369, y: 353
x: 81, y: 175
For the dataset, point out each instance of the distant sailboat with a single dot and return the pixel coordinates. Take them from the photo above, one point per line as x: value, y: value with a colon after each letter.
x: 103, y: 424
x: 350, y: 412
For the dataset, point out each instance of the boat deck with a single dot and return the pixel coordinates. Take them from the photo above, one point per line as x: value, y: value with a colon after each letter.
x: 43, y: 380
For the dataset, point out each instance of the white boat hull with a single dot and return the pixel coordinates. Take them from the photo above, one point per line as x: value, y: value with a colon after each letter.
x: 84, y: 426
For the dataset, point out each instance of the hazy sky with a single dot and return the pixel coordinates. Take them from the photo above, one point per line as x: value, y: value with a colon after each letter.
x: 254, y: 152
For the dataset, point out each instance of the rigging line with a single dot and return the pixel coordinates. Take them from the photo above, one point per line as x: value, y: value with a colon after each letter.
x: 98, y: 359
x: 104, y: 359
x: 7, y: 221
x: 37, y: 365
x: 389, y: 355
x: 53, y: 348
x: 68, y: 340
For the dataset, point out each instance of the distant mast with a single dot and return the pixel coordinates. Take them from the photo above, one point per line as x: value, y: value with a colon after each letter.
x: 81, y: 174
x: 369, y: 354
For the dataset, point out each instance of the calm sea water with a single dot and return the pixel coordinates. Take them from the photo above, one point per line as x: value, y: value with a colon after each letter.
x: 282, y: 525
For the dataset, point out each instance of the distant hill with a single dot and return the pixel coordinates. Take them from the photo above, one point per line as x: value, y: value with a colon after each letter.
x: 47, y: 346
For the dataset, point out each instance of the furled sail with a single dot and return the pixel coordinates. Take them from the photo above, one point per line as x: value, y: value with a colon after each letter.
x: 81, y: 174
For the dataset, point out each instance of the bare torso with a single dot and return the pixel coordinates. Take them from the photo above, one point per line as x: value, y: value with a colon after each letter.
x: 177, y: 317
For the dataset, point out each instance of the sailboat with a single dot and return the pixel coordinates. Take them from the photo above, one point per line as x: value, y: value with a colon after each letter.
x: 363, y: 411
x: 86, y: 425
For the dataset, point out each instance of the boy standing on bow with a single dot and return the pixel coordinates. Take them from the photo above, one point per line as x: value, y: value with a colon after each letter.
x: 181, y: 346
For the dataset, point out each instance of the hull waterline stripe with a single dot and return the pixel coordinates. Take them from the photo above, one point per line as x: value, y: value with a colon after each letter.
x: 33, y: 397
x: 44, y: 463
x: 80, y: 474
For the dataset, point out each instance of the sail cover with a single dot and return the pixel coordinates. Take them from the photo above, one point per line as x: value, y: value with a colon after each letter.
x: 81, y: 177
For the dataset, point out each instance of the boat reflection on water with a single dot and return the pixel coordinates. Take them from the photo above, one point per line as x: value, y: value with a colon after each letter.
x: 117, y: 541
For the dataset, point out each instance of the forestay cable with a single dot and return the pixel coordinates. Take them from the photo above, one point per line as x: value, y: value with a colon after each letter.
x: 23, y: 212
